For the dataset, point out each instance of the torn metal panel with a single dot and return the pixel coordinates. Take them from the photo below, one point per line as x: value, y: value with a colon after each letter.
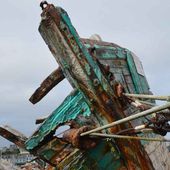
x: 51, y: 81
x: 13, y: 135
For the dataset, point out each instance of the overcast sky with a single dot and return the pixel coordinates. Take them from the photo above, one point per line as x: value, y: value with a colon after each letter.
x: 141, y: 26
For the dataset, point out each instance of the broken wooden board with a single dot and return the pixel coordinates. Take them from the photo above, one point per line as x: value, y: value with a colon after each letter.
x: 51, y: 81
x: 13, y: 136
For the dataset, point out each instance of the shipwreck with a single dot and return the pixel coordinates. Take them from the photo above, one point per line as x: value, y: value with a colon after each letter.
x: 110, y: 120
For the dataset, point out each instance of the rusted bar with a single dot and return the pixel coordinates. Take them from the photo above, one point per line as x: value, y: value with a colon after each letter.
x: 144, y: 96
x: 129, y: 137
x: 52, y: 80
x: 129, y: 118
x: 13, y: 136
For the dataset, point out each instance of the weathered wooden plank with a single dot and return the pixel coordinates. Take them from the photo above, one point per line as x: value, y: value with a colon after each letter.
x: 52, y: 80
x: 13, y: 135
x: 71, y: 107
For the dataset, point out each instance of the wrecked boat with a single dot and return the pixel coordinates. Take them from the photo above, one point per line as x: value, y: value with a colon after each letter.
x: 101, y: 125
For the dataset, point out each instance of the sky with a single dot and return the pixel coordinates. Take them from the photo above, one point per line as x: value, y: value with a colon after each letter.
x: 141, y: 26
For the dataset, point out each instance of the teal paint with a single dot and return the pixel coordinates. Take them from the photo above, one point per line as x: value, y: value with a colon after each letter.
x: 112, y: 53
x: 72, y: 106
x: 114, y: 165
x: 48, y: 154
x: 89, y: 58
x: 134, y: 74
x: 104, y: 154
x: 87, y: 67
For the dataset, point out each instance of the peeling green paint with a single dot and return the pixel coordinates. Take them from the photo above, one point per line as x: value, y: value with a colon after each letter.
x: 86, y: 54
x: 72, y: 106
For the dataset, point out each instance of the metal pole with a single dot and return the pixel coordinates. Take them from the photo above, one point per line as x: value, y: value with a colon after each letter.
x: 129, y: 137
x: 129, y: 118
x: 144, y: 96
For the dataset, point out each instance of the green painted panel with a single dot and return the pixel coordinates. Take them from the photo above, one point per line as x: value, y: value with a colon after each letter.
x: 134, y: 74
x: 48, y: 154
x: 86, y: 54
x: 106, y: 52
x: 111, y: 53
x: 104, y: 155
x: 114, y: 165
x: 72, y: 106
x: 144, y: 84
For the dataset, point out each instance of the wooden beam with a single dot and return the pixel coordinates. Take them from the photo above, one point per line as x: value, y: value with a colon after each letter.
x: 51, y: 81
x: 13, y: 136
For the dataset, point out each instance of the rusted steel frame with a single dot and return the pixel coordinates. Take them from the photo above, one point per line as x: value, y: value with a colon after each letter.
x: 144, y: 96
x: 128, y: 137
x: 13, y: 136
x: 52, y: 80
x: 129, y: 118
